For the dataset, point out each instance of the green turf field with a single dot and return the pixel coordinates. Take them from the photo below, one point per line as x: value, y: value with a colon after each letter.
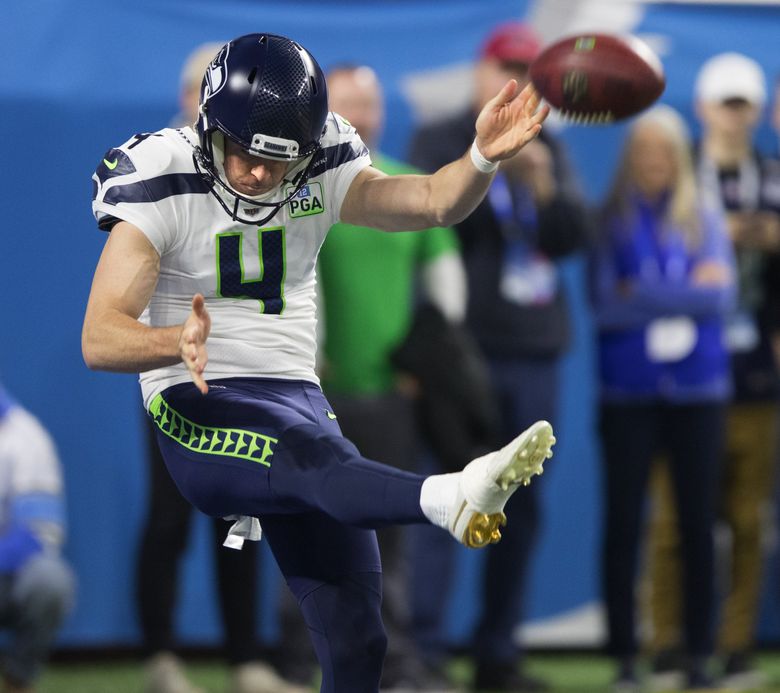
x: 566, y: 674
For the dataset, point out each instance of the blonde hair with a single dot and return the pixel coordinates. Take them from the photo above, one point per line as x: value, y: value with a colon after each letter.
x: 683, y: 209
x: 196, y: 63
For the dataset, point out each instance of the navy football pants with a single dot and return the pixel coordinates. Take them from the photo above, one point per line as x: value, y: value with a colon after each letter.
x: 273, y: 449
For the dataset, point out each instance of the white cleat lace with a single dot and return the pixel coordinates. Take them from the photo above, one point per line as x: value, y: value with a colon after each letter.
x: 486, y: 483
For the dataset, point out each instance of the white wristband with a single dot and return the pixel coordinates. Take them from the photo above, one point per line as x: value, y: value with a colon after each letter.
x: 480, y: 162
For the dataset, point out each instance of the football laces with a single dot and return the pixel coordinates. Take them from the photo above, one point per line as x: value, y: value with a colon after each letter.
x: 598, y: 118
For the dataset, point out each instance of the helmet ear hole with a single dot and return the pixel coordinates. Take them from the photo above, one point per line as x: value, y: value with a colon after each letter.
x: 251, y: 77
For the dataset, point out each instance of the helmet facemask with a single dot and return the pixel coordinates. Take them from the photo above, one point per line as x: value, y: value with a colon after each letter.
x: 212, y: 169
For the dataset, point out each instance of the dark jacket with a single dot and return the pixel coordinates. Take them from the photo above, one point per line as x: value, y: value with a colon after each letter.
x: 504, y: 328
x: 458, y: 412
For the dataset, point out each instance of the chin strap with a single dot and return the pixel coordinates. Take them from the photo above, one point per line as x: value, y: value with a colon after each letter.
x: 212, y: 179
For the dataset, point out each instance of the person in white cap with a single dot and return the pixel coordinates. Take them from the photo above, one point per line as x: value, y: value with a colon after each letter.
x: 730, y: 95
x: 730, y: 77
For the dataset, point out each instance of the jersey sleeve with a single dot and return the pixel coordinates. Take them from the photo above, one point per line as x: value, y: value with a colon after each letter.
x: 344, y: 156
x: 126, y: 187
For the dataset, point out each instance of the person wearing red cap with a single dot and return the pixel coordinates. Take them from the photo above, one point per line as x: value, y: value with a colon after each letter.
x: 512, y: 42
x: 517, y: 312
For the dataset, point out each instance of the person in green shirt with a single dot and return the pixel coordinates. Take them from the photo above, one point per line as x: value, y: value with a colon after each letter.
x: 369, y: 285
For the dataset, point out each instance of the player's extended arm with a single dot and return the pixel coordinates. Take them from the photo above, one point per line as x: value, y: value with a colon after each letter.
x: 408, y: 202
x: 112, y: 338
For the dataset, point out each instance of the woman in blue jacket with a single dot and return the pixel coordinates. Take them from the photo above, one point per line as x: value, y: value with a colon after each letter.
x: 663, y: 280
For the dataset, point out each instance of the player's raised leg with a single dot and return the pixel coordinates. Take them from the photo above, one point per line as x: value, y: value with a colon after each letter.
x: 360, y: 492
x: 309, y: 466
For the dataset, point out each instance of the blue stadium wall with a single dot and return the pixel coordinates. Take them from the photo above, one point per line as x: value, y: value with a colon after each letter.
x: 79, y: 77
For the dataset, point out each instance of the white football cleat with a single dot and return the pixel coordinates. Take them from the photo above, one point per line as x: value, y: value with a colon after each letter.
x: 486, y: 483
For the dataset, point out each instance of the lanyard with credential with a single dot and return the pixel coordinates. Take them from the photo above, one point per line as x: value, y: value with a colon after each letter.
x: 515, y: 210
x: 527, y: 276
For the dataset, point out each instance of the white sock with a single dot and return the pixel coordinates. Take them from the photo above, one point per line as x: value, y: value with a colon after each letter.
x: 437, y: 496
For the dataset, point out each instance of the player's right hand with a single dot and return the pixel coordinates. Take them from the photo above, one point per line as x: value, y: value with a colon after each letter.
x: 192, y: 342
x: 509, y: 121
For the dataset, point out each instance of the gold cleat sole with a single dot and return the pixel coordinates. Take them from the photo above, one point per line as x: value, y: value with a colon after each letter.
x: 483, y: 529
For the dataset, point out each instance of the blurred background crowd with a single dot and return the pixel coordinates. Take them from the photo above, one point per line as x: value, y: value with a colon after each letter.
x: 622, y: 282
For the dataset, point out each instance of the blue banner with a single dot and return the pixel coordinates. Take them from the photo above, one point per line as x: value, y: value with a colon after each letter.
x: 81, y: 76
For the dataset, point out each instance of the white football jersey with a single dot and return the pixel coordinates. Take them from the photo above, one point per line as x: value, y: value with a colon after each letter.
x: 259, y: 282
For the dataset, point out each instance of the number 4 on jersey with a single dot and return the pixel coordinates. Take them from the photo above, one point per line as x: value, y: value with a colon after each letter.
x: 268, y: 288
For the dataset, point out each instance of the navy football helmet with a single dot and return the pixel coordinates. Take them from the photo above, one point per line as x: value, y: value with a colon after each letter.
x: 268, y: 95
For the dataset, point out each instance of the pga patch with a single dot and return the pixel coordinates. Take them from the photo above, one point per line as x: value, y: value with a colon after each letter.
x: 307, y: 201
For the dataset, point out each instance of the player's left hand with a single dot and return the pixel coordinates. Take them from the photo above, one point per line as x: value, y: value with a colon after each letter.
x: 509, y: 121
x: 192, y: 342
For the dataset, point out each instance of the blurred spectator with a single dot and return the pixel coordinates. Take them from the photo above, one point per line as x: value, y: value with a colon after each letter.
x: 774, y: 271
x: 36, y: 584
x: 367, y: 280
x: 517, y: 312
x: 730, y: 95
x: 776, y: 113
x: 663, y: 282
x: 166, y: 530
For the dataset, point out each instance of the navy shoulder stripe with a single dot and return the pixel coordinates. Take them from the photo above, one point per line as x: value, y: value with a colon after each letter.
x: 115, y: 163
x: 156, y: 189
x: 335, y: 156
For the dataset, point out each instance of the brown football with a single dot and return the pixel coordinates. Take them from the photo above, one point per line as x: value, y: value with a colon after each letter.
x: 598, y: 78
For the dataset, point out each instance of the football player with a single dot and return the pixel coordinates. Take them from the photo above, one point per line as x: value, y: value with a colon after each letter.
x: 214, y: 235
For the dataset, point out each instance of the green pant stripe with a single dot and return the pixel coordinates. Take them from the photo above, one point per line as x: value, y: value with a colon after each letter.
x: 232, y: 442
